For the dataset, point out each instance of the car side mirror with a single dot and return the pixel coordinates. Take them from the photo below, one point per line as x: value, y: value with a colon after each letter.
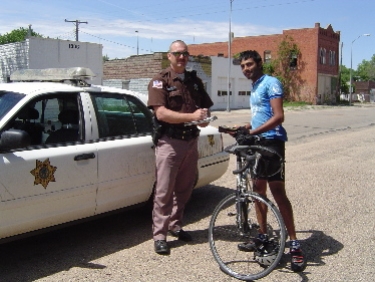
x: 14, y: 138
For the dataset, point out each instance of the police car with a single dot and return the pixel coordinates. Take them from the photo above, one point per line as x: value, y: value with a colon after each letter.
x: 70, y: 150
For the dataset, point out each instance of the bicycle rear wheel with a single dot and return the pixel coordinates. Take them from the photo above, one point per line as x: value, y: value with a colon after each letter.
x: 225, y: 235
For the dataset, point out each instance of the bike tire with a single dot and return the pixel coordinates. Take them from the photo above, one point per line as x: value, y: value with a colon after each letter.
x: 224, y: 237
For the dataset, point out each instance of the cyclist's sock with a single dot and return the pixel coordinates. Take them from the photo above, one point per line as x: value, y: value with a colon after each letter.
x: 262, y: 237
x: 294, y: 244
x: 298, y: 260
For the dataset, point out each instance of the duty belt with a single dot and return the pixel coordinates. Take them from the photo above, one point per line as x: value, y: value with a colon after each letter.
x: 182, y: 133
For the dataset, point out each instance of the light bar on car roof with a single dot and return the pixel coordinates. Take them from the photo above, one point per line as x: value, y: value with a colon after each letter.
x: 52, y: 74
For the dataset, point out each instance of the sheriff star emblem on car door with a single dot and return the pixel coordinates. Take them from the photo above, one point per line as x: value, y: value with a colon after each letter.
x: 44, y: 173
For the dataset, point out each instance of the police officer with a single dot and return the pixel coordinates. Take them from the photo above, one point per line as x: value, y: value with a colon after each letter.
x: 176, y: 96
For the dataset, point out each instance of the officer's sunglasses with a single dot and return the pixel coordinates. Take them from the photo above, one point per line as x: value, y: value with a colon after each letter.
x: 178, y: 54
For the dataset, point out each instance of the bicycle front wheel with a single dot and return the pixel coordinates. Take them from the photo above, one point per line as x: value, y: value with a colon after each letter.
x: 226, y: 233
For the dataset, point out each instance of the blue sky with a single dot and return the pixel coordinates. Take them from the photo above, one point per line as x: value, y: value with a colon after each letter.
x: 114, y: 23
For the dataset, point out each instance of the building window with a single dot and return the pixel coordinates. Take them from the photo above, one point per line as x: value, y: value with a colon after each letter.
x: 293, y: 61
x: 243, y: 93
x: 223, y: 93
x: 332, y: 58
x: 267, y: 56
x: 322, y: 56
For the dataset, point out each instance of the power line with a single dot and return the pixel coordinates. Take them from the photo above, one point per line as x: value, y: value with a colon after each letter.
x: 216, y: 12
x: 67, y: 35
x: 77, y: 22
x: 115, y: 42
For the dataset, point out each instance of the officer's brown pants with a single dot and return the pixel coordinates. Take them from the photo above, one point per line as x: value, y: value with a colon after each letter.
x: 176, y: 166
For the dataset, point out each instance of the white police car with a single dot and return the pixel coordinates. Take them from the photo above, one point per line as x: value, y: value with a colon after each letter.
x: 70, y: 150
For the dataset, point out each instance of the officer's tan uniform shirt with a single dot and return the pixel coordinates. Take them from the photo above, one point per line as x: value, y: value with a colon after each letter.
x: 185, y: 96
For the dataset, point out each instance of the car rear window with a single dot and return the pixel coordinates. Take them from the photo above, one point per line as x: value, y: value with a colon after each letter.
x: 121, y: 115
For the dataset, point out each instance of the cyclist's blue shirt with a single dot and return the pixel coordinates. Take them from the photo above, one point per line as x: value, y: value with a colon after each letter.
x: 264, y: 90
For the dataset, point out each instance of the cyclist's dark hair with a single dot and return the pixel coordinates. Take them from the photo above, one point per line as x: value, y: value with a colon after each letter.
x: 250, y: 54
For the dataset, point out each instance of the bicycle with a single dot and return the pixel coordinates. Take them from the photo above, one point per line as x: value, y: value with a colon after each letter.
x: 234, y: 220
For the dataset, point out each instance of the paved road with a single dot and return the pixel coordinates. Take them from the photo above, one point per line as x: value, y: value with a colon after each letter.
x: 330, y: 177
x: 302, y: 123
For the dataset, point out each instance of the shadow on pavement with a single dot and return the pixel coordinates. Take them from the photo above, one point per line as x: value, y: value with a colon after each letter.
x: 315, y: 248
x: 43, y: 255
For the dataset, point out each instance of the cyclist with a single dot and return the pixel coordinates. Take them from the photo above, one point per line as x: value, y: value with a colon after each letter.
x: 266, y: 103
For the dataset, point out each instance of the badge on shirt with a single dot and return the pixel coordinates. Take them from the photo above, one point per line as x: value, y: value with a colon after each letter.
x: 196, y: 87
x: 157, y: 84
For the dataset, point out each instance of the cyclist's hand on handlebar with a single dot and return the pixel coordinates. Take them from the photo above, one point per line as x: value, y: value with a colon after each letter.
x: 233, y: 130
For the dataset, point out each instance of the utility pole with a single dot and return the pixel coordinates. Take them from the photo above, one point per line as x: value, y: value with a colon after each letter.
x: 137, y: 43
x: 340, y: 70
x: 77, y: 22
x: 229, y: 55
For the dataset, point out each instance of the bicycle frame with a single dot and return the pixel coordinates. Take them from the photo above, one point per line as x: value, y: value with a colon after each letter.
x: 242, y: 200
x: 226, y: 235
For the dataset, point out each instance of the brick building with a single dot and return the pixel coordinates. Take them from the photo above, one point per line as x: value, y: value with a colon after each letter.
x: 364, y: 87
x: 135, y: 72
x: 317, y: 65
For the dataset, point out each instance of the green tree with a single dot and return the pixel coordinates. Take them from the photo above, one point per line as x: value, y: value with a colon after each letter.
x: 366, y: 70
x: 268, y: 68
x: 345, y: 78
x: 17, y: 35
x: 105, y: 58
x: 284, y: 67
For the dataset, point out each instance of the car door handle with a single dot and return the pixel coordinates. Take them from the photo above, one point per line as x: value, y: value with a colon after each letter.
x: 84, y: 157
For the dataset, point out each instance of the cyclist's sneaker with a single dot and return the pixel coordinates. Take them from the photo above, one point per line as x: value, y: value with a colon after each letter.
x: 298, y: 260
x: 253, y: 243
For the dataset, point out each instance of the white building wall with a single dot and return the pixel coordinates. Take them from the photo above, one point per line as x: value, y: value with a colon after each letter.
x: 116, y: 83
x: 220, y: 70
x: 40, y: 53
x: 55, y: 53
x: 216, y: 80
x: 138, y: 85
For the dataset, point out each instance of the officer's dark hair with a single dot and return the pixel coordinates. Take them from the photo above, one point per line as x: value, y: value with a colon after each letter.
x: 250, y: 54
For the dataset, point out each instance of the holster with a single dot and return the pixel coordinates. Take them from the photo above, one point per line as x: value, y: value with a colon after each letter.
x: 157, y: 130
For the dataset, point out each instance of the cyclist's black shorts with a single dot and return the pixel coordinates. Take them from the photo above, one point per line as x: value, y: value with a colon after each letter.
x: 279, y: 147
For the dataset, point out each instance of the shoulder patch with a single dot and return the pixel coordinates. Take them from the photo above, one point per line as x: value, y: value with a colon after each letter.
x: 157, y: 84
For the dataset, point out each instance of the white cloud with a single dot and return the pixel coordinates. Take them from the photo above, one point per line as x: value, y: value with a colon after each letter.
x: 118, y: 36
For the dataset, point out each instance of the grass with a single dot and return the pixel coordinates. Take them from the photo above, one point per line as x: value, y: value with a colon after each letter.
x: 295, y: 104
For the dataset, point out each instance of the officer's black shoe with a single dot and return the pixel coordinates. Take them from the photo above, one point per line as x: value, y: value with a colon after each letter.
x: 181, y: 235
x: 161, y: 247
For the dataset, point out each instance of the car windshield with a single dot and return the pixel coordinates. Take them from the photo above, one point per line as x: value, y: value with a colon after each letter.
x: 7, y: 101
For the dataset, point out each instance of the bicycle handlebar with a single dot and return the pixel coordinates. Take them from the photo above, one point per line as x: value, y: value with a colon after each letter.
x: 242, y: 150
x: 250, y: 148
x: 252, y: 155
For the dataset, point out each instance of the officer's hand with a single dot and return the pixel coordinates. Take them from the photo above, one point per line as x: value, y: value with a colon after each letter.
x: 200, y: 114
